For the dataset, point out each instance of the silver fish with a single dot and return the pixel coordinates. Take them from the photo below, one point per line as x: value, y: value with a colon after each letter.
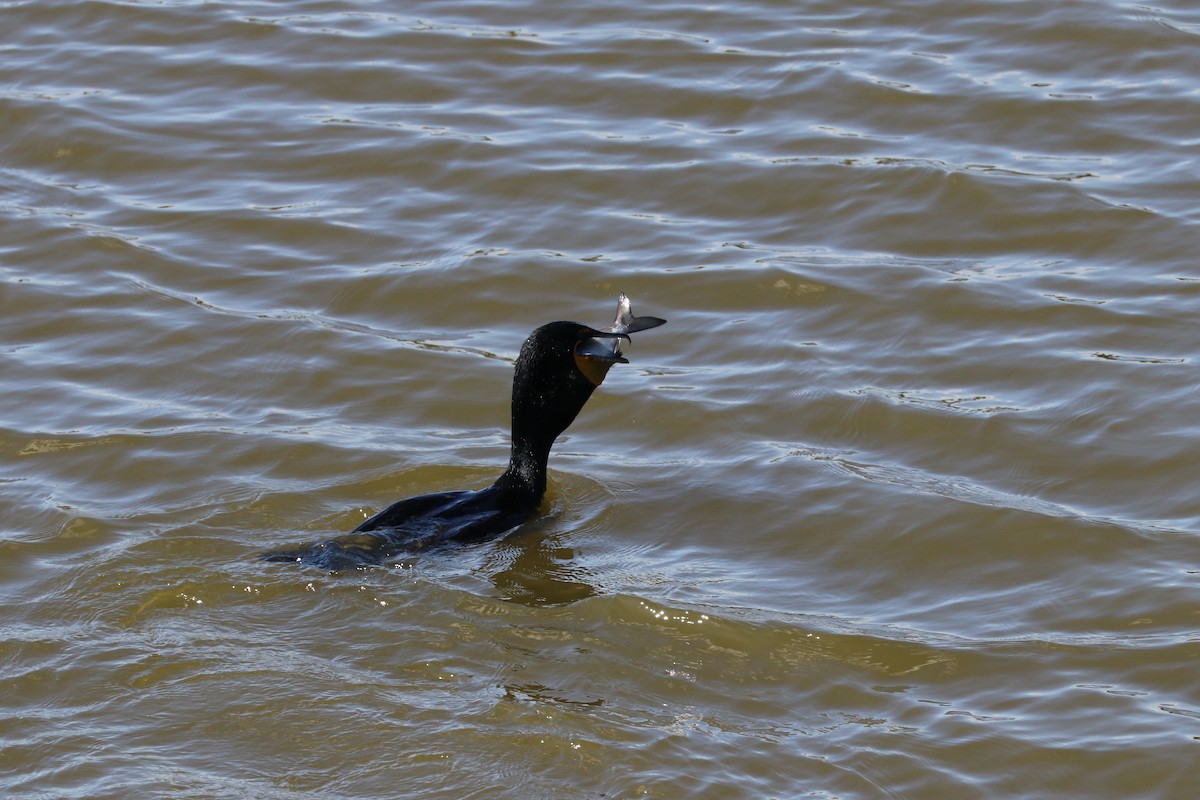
x: 609, y: 347
x: 626, y: 322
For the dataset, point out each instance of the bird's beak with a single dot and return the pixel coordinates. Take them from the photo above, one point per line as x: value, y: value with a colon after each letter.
x: 597, y: 351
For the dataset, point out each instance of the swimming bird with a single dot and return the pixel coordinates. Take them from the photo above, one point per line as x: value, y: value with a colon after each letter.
x: 558, y: 368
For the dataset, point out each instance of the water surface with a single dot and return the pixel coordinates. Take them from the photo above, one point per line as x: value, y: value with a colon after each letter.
x: 900, y: 503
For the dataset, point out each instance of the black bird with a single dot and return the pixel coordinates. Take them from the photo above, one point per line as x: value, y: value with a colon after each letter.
x: 559, y: 367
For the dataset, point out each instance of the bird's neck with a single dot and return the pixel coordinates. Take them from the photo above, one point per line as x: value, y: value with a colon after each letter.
x: 526, y: 473
x: 533, y: 434
x: 544, y: 403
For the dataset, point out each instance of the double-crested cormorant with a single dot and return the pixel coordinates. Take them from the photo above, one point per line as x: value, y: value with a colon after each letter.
x: 559, y: 367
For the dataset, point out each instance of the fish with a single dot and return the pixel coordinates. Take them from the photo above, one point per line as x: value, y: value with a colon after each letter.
x: 624, y: 324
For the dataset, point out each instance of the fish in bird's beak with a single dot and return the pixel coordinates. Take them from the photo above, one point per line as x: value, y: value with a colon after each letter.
x: 626, y: 322
x: 599, y: 350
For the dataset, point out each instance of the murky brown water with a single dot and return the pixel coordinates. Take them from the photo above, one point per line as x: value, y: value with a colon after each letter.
x: 902, y: 502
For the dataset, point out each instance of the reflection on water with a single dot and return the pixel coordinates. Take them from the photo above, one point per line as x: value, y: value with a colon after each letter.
x: 540, y: 571
x: 900, y: 504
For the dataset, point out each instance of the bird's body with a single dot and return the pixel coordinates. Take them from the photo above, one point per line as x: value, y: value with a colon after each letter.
x: 559, y: 367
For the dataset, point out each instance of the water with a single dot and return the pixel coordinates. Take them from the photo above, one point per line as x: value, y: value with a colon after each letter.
x: 901, y: 503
